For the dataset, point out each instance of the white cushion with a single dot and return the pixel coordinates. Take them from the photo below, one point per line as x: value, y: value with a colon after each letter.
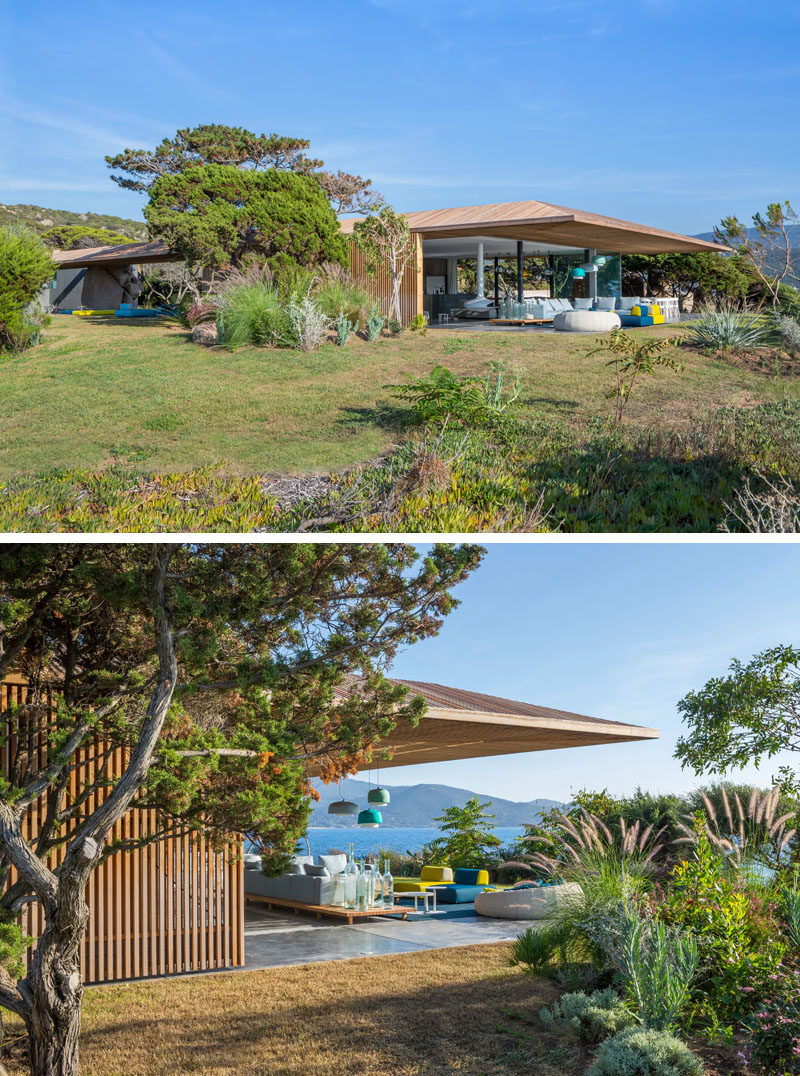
x: 582, y: 304
x: 527, y: 903
x: 627, y: 302
x: 252, y: 861
x: 334, y: 864
x: 604, y: 303
x: 477, y: 304
x: 299, y: 862
x: 586, y: 321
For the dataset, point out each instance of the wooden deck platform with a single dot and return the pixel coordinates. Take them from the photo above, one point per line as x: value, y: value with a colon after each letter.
x: 522, y: 321
x: 334, y: 911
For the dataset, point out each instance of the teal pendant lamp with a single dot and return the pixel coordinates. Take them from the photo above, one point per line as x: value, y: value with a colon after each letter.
x: 370, y: 819
x: 578, y: 273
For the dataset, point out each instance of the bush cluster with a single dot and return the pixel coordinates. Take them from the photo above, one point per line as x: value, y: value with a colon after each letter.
x: 25, y: 265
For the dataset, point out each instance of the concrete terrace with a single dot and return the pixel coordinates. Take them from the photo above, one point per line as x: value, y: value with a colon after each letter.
x: 276, y: 939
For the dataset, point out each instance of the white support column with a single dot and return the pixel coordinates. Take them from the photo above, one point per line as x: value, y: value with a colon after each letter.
x: 480, y: 271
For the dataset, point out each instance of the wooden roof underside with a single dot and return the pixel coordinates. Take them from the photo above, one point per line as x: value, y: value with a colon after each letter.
x: 463, y: 724
x: 541, y: 222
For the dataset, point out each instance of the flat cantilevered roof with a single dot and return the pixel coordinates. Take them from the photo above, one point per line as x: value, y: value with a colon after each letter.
x: 466, y: 724
x: 123, y: 254
x: 542, y: 222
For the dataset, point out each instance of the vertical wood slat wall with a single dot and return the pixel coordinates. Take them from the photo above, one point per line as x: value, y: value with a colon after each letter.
x: 170, y: 907
x: 378, y: 285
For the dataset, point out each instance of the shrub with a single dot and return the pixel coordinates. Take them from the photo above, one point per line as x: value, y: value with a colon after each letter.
x: 658, y: 966
x: 344, y: 328
x: 338, y: 296
x: 374, y: 325
x: 592, y: 1017
x: 645, y: 1052
x: 534, y: 950
x: 790, y: 906
x: 253, y: 315
x: 789, y: 332
x: 471, y: 401
x: 775, y: 1028
x: 309, y: 325
x: 726, y: 329
x: 394, y: 327
x: 25, y: 265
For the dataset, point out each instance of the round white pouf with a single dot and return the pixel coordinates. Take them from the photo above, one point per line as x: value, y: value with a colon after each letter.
x: 538, y: 903
x: 586, y: 321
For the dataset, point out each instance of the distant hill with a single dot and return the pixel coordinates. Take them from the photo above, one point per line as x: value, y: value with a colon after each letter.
x: 40, y: 219
x: 418, y: 805
x: 793, y: 232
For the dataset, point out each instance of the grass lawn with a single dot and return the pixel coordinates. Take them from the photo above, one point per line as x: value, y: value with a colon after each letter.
x: 446, y: 1011
x: 102, y: 391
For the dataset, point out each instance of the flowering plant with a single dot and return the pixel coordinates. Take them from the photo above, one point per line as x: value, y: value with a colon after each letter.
x: 775, y: 1027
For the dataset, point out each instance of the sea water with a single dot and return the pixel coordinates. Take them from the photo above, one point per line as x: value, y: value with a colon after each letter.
x: 393, y: 838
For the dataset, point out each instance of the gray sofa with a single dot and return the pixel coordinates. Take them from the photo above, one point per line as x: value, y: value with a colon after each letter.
x: 299, y: 886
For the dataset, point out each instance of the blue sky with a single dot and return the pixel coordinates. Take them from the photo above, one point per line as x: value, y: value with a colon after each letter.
x: 620, y: 631
x: 668, y: 112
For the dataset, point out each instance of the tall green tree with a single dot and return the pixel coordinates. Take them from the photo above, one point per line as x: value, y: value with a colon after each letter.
x: 767, y: 246
x: 468, y: 839
x: 704, y: 276
x: 749, y: 715
x: 386, y: 241
x: 236, y: 147
x: 223, y: 671
x: 217, y: 216
x: 25, y: 266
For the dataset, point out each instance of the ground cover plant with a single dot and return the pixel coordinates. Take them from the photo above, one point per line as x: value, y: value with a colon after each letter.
x: 131, y: 427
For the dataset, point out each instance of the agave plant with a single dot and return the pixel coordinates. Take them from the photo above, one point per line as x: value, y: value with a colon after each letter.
x: 726, y: 329
x: 755, y: 834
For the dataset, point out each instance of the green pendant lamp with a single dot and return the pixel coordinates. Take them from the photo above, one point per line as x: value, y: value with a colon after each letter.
x: 378, y: 795
x: 370, y: 819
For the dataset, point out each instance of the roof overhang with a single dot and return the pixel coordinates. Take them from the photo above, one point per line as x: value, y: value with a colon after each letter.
x: 542, y: 223
x: 448, y: 732
x: 124, y: 254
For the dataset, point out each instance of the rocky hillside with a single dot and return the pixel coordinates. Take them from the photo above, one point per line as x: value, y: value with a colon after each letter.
x: 40, y: 219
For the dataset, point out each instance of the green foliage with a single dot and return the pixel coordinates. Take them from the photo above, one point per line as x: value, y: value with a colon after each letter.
x: 344, y: 328
x: 767, y: 247
x: 374, y: 325
x: 336, y: 297
x: 645, y: 1052
x: 418, y: 324
x: 72, y: 236
x: 705, y: 276
x: 536, y: 948
x: 218, y: 215
x: 394, y: 326
x: 735, y: 928
x: 744, y: 717
x: 775, y: 1028
x: 468, y: 834
x: 387, y: 245
x: 310, y: 326
x: 13, y: 945
x: 658, y: 966
x: 40, y: 220
x: 726, y: 329
x: 592, y: 1017
x: 632, y: 357
x: 25, y: 265
x: 471, y: 401
x: 790, y: 907
x: 253, y: 315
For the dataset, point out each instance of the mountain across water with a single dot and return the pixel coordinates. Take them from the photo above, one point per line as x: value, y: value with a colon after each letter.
x: 418, y: 805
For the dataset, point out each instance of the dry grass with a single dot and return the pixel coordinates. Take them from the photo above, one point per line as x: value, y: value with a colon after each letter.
x: 417, y: 1014
x: 99, y: 391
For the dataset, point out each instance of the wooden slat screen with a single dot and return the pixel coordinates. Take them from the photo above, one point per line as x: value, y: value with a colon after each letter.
x: 170, y: 907
x: 378, y: 285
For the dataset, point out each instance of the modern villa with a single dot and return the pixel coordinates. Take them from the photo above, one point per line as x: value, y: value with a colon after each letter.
x: 177, y: 905
x: 577, y: 253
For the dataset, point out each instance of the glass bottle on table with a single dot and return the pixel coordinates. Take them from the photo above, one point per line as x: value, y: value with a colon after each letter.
x: 388, y: 885
x: 377, y: 893
x: 351, y: 880
x: 362, y: 890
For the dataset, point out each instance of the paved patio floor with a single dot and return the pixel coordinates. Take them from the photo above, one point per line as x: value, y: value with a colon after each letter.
x: 275, y: 939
